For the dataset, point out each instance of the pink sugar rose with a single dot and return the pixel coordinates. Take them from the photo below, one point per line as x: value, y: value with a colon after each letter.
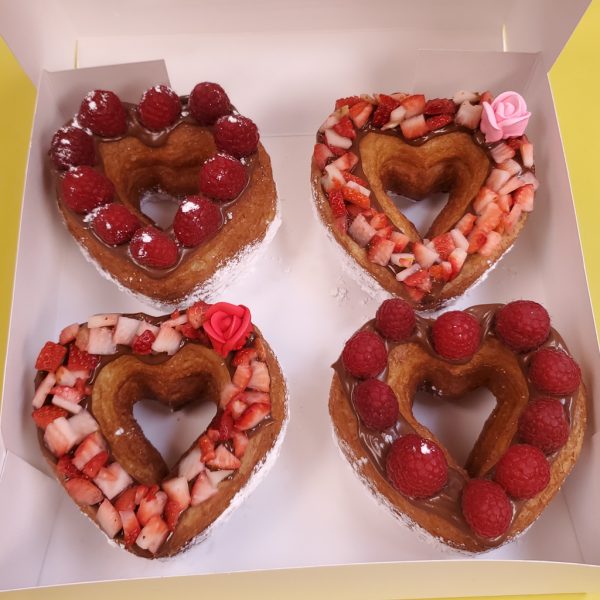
x: 505, y: 117
x: 228, y: 326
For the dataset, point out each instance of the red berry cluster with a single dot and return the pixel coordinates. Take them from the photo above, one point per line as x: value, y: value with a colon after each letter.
x: 222, y: 178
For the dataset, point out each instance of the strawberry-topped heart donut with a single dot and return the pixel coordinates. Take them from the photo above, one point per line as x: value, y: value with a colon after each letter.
x: 472, y: 146
x: 88, y: 383
x: 166, y: 196
x: 525, y: 450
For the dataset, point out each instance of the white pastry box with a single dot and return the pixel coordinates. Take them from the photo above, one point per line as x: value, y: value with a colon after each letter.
x: 310, y: 524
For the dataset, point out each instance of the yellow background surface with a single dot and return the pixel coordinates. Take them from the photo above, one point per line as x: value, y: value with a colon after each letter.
x: 576, y: 88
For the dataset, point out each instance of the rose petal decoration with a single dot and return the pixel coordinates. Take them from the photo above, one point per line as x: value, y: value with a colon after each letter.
x: 227, y: 326
x: 505, y: 117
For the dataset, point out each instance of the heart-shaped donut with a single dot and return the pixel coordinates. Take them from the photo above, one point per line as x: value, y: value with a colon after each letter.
x: 526, y: 448
x: 193, y: 163
x: 88, y: 383
x: 472, y: 146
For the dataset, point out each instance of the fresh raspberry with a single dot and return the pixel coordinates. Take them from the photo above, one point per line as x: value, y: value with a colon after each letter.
x: 153, y: 248
x: 553, y: 371
x: 486, y: 508
x: 440, y: 106
x: 102, y: 112
x: 236, y: 135
x: 376, y: 404
x: 80, y: 360
x: 544, y: 425
x: 384, y: 109
x: 142, y: 344
x: 364, y: 355
x: 196, y: 220
x: 223, y: 178
x: 71, y: 147
x: 208, y: 102
x: 438, y: 121
x: 395, y: 320
x: 44, y: 415
x: 115, y: 224
x: 522, y: 325
x: 84, y: 189
x: 455, y: 335
x: 51, y: 356
x: 416, y: 466
x: 159, y: 107
x: 523, y: 471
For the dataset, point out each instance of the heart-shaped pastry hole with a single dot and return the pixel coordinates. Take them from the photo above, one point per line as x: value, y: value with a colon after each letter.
x: 527, y: 445
x: 372, y: 147
x: 86, y: 390
x: 164, y: 194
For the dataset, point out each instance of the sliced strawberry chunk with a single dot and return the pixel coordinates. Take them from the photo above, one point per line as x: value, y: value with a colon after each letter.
x: 65, y: 468
x: 421, y: 280
x: 502, y: 152
x: 224, y: 459
x: 93, y: 466
x: 321, y: 155
x: 69, y: 333
x: 511, y: 219
x: 360, y: 113
x: 439, y: 106
x: 441, y: 272
x: 336, y: 141
x: 69, y: 378
x: 415, y: 294
x: 207, y: 448
x: 191, y: 464
x: 51, y: 357
x: 355, y: 197
x: 101, y: 342
x: 236, y: 407
x: 490, y: 218
x: 414, y: 105
x: 80, y: 360
x: 350, y: 177
x: 524, y: 196
x: 252, y: 416
x: 228, y: 392
x: 125, y: 330
x: 177, y: 489
x: 260, y: 380
x: 250, y: 397
x: 384, y: 109
x: 477, y: 239
x: 222, y: 424
x: 241, y: 376
x: 44, y: 415
x: 153, y: 535
x: 336, y: 201
x: 151, y: 506
x: 92, y: 445
x: 126, y: 499
x: 131, y: 527
x: 403, y: 260
x: 424, y: 256
x: 469, y: 115
x: 512, y: 166
x: 59, y: 436
x: 411, y: 270
x: 195, y: 314
x: 350, y: 101
x: 173, y: 511
x: 491, y: 244
x: 244, y: 356
x: 466, y: 223
x: 380, y: 250
x: 496, y: 179
x: 83, y: 491
x: 438, y: 121
x: 68, y: 393
x: 379, y: 220
x: 360, y: 231
x: 460, y: 241
x: 168, y: 340
x: 457, y: 259
x: 202, y: 490
x: 400, y: 241
x: 240, y: 443
x: 346, y: 162
x: 526, y: 149
x: 484, y: 197
x: 109, y: 519
x: 443, y: 245
x: 414, y: 127
x: 505, y: 202
x: 112, y: 480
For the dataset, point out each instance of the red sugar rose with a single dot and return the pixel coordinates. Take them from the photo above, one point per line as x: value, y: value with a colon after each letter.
x: 228, y: 326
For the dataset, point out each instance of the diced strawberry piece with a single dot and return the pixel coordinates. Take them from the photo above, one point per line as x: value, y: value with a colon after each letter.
x: 93, y: 466
x: 337, y: 151
x: 414, y: 127
x: 228, y: 392
x: 69, y: 333
x: 223, y: 425
x: 195, y: 314
x: 465, y: 96
x: 424, y: 256
x: 489, y: 219
x: 441, y: 272
x: 346, y: 162
x: 100, y: 341
x: 486, y: 97
x: 80, y: 360
x: 59, y: 436
x: 360, y: 113
x: 477, y: 239
x: 177, y: 489
x: 82, y: 424
x: 350, y: 101
x: 91, y: 446
x: 321, y: 155
x: 360, y: 231
x: 414, y: 105
x: 384, y: 109
x: 191, y: 464
x: 153, y: 535
x: 527, y: 154
x: 457, y: 259
x: 69, y: 378
x: 400, y: 241
x: 345, y: 128
x: 236, y: 407
x: 240, y: 443
x: 104, y: 320
x: 131, y: 527
x: 336, y: 201
x: 142, y: 343
x: 512, y: 166
x: 126, y: 499
x: 70, y: 394
x: 44, y: 415
x: 260, y: 379
x: 439, y: 106
x: 250, y: 397
x: 421, y: 280
x: 173, y: 511
x: 337, y: 142
x: 83, y: 491
x: 244, y: 356
x: 460, y: 241
x: 379, y: 220
x: 252, y: 416
x: 380, y: 250
x: 491, y: 244
x: 241, y: 376
x: 403, y: 259
x: 438, y: 121
x: 355, y: 197
x: 524, y: 196
x: 51, y: 357
x: 168, y: 340
x: 496, y: 179
x: 511, y: 219
x: 109, y: 519
x: 65, y: 468
x: 444, y: 244
x: 359, y: 188
x: 125, y: 330
x: 529, y: 178
x: 501, y: 152
x: 202, y: 490
x: 213, y: 435
x: 349, y: 177
x: 112, y: 480
x: 385, y: 232
x: 396, y: 117
x: 514, y: 142
x: 468, y: 115
x: 151, y: 506
x: 224, y: 459
x: 484, y: 197
x: 415, y: 294
x: 466, y: 223
x: 505, y: 202
x: 415, y: 268
x: 207, y: 448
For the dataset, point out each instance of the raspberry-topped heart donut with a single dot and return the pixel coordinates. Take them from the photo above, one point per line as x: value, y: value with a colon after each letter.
x: 471, y: 146
x: 88, y: 383
x: 166, y: 196
x: 525, y: 450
